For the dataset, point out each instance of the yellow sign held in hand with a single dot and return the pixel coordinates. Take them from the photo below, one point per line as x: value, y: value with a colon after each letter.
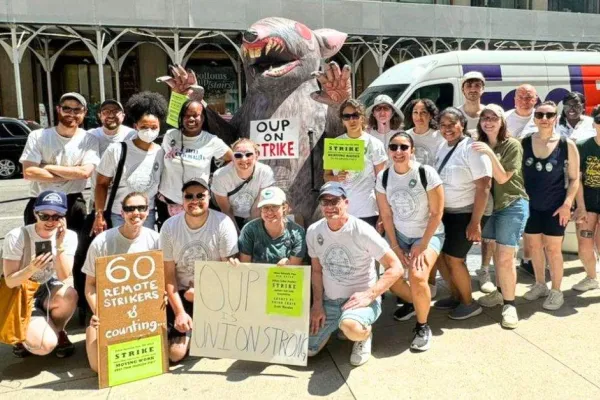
x: 344, y: 154
x: 175, y: 105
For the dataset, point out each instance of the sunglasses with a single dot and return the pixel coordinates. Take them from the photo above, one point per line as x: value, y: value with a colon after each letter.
x: 130, y: 209
x: 330, y: 202
x: 240, y: 155
x: 382, y: 108
x: 47, y: 217
x: 70, y: 110
x: 597, y: 119
x: 395, y: 147
x: 198, y: 196
x: 348, y: 117
x: 541, y: 115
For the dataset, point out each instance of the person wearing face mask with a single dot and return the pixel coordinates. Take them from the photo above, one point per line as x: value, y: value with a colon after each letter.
x: 131, y: 237
x: 385, y: 118
x: 143, y: 161
x: 573, y: 123
x: 55, y: 300
x: 236, y: 186
x: 473, y: 86
x: 188, y: 152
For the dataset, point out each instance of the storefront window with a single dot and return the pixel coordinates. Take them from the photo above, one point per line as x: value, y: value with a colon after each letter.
x: 220, y: 82
x: 518, y: 4
x: 580, y: 6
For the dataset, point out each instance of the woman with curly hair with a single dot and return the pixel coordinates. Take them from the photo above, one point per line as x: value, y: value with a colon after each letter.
x: 421, y: 125
x: 143, y: 160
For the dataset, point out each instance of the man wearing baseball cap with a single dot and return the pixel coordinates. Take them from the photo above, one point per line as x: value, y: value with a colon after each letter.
x: 197, y: 234
x: 472, y: 86
x: 111, y: 114
x: 346, y: 292
x: 44, y: 252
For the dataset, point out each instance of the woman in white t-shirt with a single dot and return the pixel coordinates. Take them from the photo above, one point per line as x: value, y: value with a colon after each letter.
x: 130, y: 237
x: 411, y: 203
x: 385, y: 118
x: 421, y: 122
x: 573, y: 123
x: 189, y: 152
x: 360, y: 185
x: 237, y: 185
x: 143, y: 161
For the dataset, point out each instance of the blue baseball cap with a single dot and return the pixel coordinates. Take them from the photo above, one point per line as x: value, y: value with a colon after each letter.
x: 51, y: 200
x: 332, y: 188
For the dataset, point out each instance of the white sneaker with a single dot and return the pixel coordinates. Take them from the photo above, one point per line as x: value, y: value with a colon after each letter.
x: 485, y: 280
x: 554, y: 301
x: 433, y: 290
x: 586, y: 284
x: 492, y: 299
x: 361, y: 352
x: 510, y: 319
x: 537, y: 290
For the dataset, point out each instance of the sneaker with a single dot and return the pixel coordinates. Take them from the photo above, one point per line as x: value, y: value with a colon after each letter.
x: 485, y: 280
x: 510, y: 319
x: 527, y: 267
x: 464, y: 311
x: 586, y: 284
x: 20, y: 351
x: 64, y: 348
x: 448, y: 303
x: 361, y: 352
x: 537, y: 290
x: 554, y: 301
x: 433, y: 289
x: 405, y: 312
x: 399, y: 302
x: 491, y: 300
x: 422, y: 338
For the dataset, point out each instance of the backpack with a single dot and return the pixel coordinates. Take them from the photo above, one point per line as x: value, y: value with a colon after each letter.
x: 422, y: 175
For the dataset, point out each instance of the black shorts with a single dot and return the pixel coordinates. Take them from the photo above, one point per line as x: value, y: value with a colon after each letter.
x: 42, y: 294
x: 456, y: 243
x: 591, y: 198
x: 543, y: 222
x: 371, y: 220
x: 189, y: 309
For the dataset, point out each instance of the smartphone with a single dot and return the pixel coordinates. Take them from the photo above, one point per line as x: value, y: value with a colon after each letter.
x: 43, y: 247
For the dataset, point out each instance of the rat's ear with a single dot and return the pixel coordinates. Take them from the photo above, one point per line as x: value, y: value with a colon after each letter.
x: 330, y: 41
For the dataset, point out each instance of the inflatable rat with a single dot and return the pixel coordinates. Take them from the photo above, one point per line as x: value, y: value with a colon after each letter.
x: 280, y: 57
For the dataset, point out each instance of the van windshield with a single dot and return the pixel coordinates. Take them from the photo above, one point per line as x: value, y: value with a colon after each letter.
x: 394, y: 91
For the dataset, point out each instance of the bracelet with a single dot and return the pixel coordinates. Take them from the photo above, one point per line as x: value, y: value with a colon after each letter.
x: 60, y: 249
x: 395, y: 247
x: 99, y: 213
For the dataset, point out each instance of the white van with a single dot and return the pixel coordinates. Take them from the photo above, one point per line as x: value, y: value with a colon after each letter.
x: 437, y: 77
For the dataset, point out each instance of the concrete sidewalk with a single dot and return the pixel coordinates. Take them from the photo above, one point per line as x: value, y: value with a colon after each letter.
x: 551, y: 355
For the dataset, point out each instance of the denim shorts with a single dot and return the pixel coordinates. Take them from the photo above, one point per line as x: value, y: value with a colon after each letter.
x: 406, y: 243
x: 117, y: 220
x: 507, y: 225
x: 334, y: 316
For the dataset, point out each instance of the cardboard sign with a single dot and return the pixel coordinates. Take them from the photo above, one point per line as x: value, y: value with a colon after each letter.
x: 277, y: 138
x: 254, y: 312
x: 175, y: 105
x: 132, y: 336
x: 344, y: 154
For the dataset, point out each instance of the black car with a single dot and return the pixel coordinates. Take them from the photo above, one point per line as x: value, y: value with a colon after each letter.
x: 13, y: 136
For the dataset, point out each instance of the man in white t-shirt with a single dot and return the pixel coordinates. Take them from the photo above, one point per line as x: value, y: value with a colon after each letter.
x: 196, y: 234
x: 346, y: 292
x: 519, y: 121
x: 472, y: 86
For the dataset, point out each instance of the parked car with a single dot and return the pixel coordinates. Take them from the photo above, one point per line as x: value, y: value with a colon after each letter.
x: 13, y: 136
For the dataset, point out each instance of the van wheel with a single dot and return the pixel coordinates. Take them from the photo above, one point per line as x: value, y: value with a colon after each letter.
x: 8, y: 168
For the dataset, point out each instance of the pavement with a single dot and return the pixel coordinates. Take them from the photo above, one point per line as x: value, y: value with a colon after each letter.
x: 551, y: 355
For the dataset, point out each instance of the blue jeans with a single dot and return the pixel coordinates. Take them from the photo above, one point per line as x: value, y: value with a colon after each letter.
x: 407, y: 243
x: 507, y: 225
x: 117, y: 220
x: 334, y: 315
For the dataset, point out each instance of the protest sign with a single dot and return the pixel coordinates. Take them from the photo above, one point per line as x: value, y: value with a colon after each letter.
x: 344, y: 154
x: 276, y: 138
x: 254, y: 312
x: 175, y: 104
x: 132, y: 336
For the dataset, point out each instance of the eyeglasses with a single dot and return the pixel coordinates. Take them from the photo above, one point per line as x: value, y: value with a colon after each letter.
x: 348, y: 117
x: 108, y: 113
x: 490, y: 119
x: 395, y: 147
x: 330, y: 202
x: 573, y: 106
x: 239, y: 155
x: 597, y: 119
x: 47, y: 217
x: 130, y: 209
x: 382, y: 108
x: 270, y: 208
x: 72, y: 111
x: 198, y: 196
x: 541, y: 115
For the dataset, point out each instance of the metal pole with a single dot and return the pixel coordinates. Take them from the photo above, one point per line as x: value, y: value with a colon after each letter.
x: 239, y: 84
x: 99, y: 61
x: 17, y: 70
x: 49, y: 83
x: 117, y: 71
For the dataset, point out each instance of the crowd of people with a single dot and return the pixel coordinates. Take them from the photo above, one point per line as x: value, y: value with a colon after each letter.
x: 434, y: 183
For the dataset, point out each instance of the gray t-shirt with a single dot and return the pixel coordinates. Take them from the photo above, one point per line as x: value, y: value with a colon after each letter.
x: 427, y: 145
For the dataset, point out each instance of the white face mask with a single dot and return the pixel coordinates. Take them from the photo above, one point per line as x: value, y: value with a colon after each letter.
x: 148, y: 135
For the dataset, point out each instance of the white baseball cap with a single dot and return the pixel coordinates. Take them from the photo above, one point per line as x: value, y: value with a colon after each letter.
x: 472, y: 75
x: 271, y: 196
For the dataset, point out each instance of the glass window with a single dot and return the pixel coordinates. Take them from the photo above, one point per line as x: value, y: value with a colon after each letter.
x: 442, y: 94
x: 580, y: 6
x: 518, y: 4
x: 10, y: 129
x: 394, y: 91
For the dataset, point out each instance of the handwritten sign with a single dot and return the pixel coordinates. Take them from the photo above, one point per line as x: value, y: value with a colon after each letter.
x: 132, y: 336
x: 344, y: 154
x: 251, y: 313
x: 276, y: 138
x: 175, y: 105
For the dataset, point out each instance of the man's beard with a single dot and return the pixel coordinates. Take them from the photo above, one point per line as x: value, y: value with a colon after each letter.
x: 111, y: 126
x: 69, y: 122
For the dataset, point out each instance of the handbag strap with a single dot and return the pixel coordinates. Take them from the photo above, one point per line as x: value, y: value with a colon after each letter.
x: 117, y: 180
x: 26, y: 256
x: 241, y: 186
x: 445, y: 160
